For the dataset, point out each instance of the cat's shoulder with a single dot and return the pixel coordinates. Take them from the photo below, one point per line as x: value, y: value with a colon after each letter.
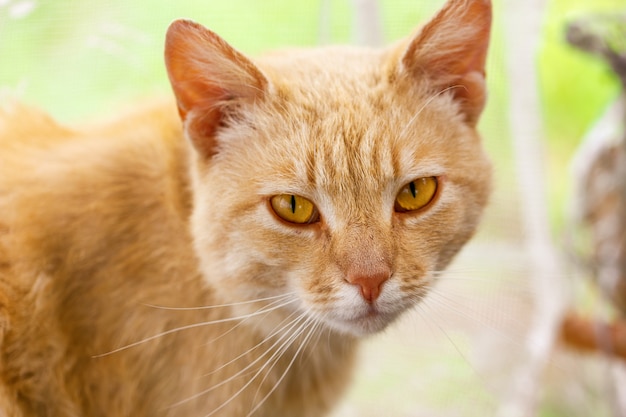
x: 24, y: 126
x: 36, y: 148
x: 56, y: 181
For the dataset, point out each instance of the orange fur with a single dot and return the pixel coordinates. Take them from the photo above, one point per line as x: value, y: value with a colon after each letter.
x: 101, y: 225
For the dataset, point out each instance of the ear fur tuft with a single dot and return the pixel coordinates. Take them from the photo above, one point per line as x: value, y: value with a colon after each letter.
x: 208, y: 76
x: 451, y: 51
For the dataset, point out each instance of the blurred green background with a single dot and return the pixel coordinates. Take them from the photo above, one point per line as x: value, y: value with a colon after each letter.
x: 80, y: 59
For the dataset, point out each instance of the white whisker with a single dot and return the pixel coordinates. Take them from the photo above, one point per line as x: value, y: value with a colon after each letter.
x: 453, y: 343
x: 280, y: 328
x: 430, y: 321
x: 283, y: 348
x: 192, y: 326
x: 447, y: 303
x: 281, y: 296
x: 316, y: 343
x: 295, y: 355
x: 266, y: 308
x: 419, y: 111
x: 285, y: 328
x: 278, y: 352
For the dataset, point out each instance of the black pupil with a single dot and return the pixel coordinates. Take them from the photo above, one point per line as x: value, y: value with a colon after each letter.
x: 411, y: 186
x: 293, y: 204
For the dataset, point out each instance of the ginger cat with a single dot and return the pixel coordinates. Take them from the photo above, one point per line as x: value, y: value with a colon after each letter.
x: 316, y: 198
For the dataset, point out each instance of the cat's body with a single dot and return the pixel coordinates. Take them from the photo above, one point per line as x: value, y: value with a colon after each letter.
x: 82, y: 271
x: 106, y: 232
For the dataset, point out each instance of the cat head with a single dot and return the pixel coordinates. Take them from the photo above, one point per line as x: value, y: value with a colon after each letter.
x: 348, y: 177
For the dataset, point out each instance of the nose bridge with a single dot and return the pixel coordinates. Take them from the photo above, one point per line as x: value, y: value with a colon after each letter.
x: 366, y: 245
x: 365, y: 258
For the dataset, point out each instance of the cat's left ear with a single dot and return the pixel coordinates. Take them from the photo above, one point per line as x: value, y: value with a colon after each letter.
x: 450, y: 52
x: 211, y: 81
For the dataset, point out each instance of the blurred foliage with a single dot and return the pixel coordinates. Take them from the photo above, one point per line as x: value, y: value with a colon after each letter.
x: 575, y: 86
x: 77, y: 58
x: 576, y: 89
x: 71, y: 53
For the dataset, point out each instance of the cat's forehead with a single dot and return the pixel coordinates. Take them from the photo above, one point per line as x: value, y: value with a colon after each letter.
x: 349, y: 144
x: 343, y: 129
x: 331, y: 64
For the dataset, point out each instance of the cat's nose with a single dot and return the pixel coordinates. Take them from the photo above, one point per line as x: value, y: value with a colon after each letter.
x: 369, y: 281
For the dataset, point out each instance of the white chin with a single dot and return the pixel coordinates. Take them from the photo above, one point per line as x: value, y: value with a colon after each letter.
x: 360, y: 326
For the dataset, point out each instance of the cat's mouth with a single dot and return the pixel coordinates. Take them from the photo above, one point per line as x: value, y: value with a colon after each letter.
x: 372, y: 311
x: 365, y: 322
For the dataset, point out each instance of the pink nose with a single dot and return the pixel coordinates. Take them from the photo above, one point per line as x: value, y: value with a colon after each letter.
x: 369, y: 281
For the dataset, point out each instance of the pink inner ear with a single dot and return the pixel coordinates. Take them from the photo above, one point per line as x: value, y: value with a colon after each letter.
x: 451, y: 50
x: 185, y: 47
x: 193, y: 92
x: 206, y: 73
x: 472, y: 94
x: 456, y: 40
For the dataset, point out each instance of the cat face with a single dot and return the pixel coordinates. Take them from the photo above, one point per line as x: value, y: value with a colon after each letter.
x: 344, y: 177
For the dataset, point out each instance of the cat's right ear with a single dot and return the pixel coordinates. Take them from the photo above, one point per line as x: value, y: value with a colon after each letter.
x: 210, y: 80
x: 450, y: 52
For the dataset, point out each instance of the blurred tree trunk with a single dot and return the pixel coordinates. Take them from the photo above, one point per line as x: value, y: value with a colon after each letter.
x: 367, y: 25
x: 523, y: 29
x: 324, y: 32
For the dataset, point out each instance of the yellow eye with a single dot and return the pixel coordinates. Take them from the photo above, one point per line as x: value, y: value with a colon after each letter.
x: 294, y: 209
x: 416, y: 194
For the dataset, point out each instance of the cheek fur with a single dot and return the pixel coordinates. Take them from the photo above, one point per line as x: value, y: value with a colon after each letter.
x: 253, y: 251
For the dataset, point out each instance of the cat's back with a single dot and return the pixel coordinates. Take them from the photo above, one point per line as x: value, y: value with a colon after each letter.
x: 67, y: 194
x: 54, y: 179
x: 66, y: 188
x: 59, y: 185
x: 34, y: 145
x: 86, y: 214
x: 34, y: 151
